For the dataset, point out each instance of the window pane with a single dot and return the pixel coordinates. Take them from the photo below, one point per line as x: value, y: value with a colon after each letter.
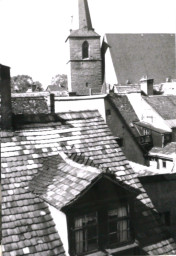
x: 118, y: 225
x: 86, y: 233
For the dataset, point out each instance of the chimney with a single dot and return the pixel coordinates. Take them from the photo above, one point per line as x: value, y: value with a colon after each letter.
x: 147, y: 85
x: 5, y: 94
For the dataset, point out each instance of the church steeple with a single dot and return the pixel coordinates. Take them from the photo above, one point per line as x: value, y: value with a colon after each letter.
x: 84, y: 15
x: 85, y: 63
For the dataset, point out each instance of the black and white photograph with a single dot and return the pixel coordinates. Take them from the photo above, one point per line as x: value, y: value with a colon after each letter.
x: 88, y: 127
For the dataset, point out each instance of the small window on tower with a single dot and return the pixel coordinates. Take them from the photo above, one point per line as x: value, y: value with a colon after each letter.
x: 85, y: 50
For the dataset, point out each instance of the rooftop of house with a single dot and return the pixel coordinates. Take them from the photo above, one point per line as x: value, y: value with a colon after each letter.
x: 55, y: 87
x: 169, y: 151
x: 27, y: 226
x: 142, y: 170
x: 62, y: 180
x: 167, y: 88
x: 122, y: 104
x: 123, y: 89
x: 136, y: 55
x: 165, y: 105
x: 151, y: 127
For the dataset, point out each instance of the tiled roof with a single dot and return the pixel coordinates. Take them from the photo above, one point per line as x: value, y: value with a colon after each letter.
x: 27, y: 224
x: 30, y: 103
x: 136, y: 55
x: 62, y: 181
x: 123, y: 105
x: 164, y: 105
x: 168, y: 151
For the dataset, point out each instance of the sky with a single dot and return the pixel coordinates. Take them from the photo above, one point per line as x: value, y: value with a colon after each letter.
x: 33, y: 32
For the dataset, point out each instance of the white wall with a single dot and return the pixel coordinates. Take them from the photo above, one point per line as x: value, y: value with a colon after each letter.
x: 169, y: 165
x: 65, y: 104
x: 110, y: 75
x: 61, y: 226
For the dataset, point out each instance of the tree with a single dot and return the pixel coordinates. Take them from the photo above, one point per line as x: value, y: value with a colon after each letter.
x: 60, y: 80
x: 21, y: 83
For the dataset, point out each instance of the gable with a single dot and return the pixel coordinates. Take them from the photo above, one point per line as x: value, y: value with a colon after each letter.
x: 103, y: 192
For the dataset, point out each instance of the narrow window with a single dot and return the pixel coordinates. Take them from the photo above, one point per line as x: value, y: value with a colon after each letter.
x: 118, y: 225
x: 164, y: 164
x: 86, y: 236
x: 108, y: 112
x: 165, y: 218
x: 85, y: 50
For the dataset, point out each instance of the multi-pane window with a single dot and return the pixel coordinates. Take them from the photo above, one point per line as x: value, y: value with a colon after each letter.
x: 86, y: 233
x: 119, y: 225
x: 105, y: 228
x: 85, y: 50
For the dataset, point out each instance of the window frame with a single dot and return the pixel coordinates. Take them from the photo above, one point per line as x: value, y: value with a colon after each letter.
x: 102, y: 226
x: 120, y: 220
x: 84, y: 230
x: 85, y: 50
x: 164, y: 164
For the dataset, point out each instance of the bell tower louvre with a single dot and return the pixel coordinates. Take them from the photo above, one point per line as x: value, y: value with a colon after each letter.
x: 85, y: 64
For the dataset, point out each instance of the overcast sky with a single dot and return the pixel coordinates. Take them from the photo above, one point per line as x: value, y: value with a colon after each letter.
x: 33, y: 32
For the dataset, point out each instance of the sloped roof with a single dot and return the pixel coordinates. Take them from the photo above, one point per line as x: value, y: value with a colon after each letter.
x: 164, y: 105
x: 143, y: 171
x: 137, y: 55
x: 27, y: 226
x: 62, y: 181
x: 25, y: 152
x: 123, y: 105
x: 83, y: 33
x: 151, y: 127
x: 55, y: 87
x: 168, y: 151
x: 84, y: 15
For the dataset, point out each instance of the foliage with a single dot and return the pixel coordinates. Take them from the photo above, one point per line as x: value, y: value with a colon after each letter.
x: 21, y: 83
x: 60, y: 80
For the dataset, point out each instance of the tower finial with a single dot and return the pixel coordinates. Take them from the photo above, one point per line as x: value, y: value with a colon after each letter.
x: 84, y: 15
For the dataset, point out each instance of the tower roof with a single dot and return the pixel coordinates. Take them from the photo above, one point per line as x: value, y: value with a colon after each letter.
x: 84, y: 15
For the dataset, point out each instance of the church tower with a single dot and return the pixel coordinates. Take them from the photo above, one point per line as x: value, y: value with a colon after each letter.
x: 85, y: 64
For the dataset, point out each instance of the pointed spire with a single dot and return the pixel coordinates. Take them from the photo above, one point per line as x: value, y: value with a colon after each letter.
x: 84, y: 15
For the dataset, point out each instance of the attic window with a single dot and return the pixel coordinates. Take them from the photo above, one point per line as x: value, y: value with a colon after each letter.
x: 86, y: 233
x: 118, y: 225
x: 85, y: 50
x: 106, y: 228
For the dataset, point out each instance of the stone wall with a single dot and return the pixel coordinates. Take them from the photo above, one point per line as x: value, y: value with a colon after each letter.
x: 85, y: 73
x: 31, y: 103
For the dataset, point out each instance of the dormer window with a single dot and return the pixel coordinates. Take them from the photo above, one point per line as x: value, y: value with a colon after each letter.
x: 104, y: 228
x: 85, y: 50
